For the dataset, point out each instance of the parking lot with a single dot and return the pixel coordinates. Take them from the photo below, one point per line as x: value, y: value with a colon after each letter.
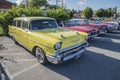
x: 101, y: 61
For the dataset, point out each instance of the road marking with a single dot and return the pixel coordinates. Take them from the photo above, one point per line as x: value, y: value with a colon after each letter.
x: 109, y: 53
x: 22, y: 60
x: 5, y: 54
x: 108, y: 39
x: 25, y: 70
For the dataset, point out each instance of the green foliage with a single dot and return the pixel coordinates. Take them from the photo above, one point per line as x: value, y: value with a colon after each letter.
x: 106, y: 12
x: 100, y: 12
x: 88, y: 12
x: 37, y: 3
x: 59, y: 14
x: 1, y: 31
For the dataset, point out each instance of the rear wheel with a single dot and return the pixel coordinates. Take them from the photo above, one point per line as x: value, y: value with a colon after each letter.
x: 40, y: 55
x: 15, y: 40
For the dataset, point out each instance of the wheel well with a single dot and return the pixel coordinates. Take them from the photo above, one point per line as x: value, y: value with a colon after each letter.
x: 33, y: 50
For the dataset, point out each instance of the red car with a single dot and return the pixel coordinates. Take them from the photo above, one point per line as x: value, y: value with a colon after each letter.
x: 85, y: 22
x: 111, y: 25
x: 92, y: 32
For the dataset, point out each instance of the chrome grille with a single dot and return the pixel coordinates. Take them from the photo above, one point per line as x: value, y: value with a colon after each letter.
x: 72, y: 50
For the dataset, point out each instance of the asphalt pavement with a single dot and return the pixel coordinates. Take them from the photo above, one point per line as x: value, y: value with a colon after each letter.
x: 101, y: 61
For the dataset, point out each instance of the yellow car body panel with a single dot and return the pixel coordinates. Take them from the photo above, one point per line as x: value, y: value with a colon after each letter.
x: 46, y: 38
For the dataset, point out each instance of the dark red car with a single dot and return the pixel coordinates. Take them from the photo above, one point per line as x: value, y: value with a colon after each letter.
x: 111, y: 25
x: 85, y: 22
x: 92, y: 32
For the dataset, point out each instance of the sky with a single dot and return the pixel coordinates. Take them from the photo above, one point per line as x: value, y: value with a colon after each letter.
x: 82, y: 4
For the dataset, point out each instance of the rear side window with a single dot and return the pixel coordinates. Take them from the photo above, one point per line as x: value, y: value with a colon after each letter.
x: 18, y: 23
x: 25, y: 25
x: 14, y: 23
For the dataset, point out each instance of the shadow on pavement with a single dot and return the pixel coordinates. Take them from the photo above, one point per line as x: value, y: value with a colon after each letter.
x: 112, y: 35
x: 91, y: 66
x: 107, y: 44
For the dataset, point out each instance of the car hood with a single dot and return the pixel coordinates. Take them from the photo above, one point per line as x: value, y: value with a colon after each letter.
x: 81, y: 28
x: 67, y: 37
x: 97, y: 24
x: 92, y: 25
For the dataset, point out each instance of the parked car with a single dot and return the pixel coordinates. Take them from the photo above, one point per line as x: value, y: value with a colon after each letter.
x: 46, y: 41
x: 118, y: 22
x: 85, y: 22
x: 111, y: 26
x: 113, y: 23
x: 92, y: 32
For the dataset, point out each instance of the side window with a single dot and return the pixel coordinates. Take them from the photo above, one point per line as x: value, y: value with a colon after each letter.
x: 25, y: 25
x: 14, y: 23
x: 18, y: 23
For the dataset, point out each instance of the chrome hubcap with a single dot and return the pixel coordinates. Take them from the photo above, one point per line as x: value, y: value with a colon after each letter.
x: 39, y: 55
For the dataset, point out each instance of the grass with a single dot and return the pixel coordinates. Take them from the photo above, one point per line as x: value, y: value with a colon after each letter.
x: 1, y: 31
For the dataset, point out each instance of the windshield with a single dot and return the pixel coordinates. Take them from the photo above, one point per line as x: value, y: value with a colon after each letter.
x: 43, y: 24
x: 81, y: 22
x: 85, y: 22
x: 97, y: 21
x: 68, y: 23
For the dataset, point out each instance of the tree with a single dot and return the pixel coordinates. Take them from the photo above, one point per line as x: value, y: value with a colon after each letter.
x: 109, y: 12
x: 100, y: 12
x: 37, y: 3
x: 88, y: 12
x: 59, y: 14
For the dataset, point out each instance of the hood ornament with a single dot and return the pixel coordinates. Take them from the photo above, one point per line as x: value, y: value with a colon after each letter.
x: 63, y: 36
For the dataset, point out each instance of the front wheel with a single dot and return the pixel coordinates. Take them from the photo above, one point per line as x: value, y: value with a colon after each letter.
x: 40, y: 55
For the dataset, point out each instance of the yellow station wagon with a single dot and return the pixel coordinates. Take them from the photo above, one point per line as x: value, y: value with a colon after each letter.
x: 46, y: 41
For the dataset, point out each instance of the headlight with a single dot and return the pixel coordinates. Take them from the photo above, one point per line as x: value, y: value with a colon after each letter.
x: 57, y: 46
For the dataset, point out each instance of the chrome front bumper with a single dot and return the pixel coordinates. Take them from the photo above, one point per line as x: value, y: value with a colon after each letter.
x: 110, y: 29
x: 67, y: 53
x: 93, y: 35
x: 103, y: 31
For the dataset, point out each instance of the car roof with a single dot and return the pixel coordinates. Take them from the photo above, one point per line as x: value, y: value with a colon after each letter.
x: 33, y: 18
